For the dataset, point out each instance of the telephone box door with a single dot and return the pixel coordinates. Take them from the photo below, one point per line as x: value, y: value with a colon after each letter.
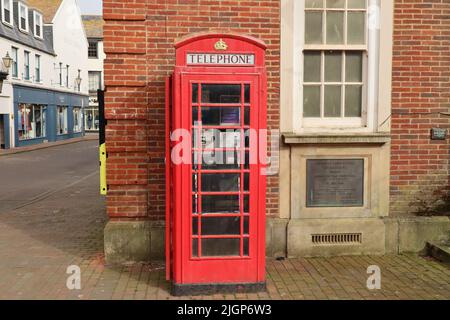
x: 220, y: 223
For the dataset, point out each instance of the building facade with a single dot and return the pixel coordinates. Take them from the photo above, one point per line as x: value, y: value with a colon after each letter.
x: 45, y: 93
x: 354, y: 89
x: 94, y: 32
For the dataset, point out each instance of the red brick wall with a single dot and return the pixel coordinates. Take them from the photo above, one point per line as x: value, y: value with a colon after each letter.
x: 139, y: 37
x: 421, y: 93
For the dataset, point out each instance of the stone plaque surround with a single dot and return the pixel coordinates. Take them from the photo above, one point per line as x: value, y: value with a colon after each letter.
x: 376, y: 177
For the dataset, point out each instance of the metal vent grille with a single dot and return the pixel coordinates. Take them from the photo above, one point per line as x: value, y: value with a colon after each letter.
x: 337, y: 238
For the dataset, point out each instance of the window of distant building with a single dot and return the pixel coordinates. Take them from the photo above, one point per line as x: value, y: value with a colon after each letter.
x: 15, y: 66
x: 23, y: 17
x: 95, y: 81
x: 93, y: 49
x: 26, y: 65
x: 7, y: 12
x: 67, y: 75
x: 60, y: 74
x: 38, y: 25
x: 37, y: 68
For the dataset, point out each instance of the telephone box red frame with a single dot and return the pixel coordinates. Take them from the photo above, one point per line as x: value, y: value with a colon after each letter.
x: 189, y: 274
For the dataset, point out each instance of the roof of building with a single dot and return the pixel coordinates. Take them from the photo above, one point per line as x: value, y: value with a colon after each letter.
x: 47, y: 7
x: 93, y: 26
x: 13, y: 34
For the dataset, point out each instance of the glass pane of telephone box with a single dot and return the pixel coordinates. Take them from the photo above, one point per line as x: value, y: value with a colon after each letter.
x: 225, y: 116
x: 195, y: 247
x: 246, y: 225
x: 195, y: 204
x: 217, y: 182
x: 221, y: 247
x: 218, y: 160
x: 194, y: 226
x: 195, y: 93
x: 246, y: 247
x: 220, y: 204
x: 218, y: 226
x: 247, y: 93
x: 221, y: 93
x: 217, y: 138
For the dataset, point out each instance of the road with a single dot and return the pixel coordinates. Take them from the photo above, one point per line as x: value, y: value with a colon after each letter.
x: 29, y: 177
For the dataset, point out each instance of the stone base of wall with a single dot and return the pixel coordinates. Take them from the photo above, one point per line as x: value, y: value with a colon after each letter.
x: 405, y: 235
x: 134, y: 241
x: 137, y: 241
x: 334, y: 237
x: 293, y: 238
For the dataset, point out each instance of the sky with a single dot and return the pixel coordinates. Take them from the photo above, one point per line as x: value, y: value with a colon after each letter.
x: 90, y: 6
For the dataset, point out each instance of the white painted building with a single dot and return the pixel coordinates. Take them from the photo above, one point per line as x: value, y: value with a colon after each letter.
x: 93, y: 25
x: 41, y: 100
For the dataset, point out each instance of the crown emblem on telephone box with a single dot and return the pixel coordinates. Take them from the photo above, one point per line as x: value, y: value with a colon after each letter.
x: 221, y: 45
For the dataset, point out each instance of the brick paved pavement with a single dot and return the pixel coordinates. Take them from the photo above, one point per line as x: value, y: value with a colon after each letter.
x: 39, y: 241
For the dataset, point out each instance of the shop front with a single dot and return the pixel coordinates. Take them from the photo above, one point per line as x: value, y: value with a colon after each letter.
x: 46, y: 116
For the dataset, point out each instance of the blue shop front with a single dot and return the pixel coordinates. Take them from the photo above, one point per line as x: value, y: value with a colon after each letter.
x: 42, y: 115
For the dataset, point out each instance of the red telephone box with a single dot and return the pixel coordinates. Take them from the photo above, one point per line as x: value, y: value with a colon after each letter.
x: 216, y: 190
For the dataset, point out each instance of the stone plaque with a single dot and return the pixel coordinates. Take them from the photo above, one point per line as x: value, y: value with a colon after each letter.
x: 335, y: 183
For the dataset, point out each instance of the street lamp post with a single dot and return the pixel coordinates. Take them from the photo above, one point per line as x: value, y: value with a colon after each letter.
x: 78, y: 80
x: 4, y: 74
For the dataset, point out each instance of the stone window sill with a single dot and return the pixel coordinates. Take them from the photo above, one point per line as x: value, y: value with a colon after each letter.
x: 304, y: 139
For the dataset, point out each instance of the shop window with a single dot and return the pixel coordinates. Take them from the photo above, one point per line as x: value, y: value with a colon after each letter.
x: 77, y: 122
x: 26, y: 65
x: 7, y: 12
x: 14, y: 65
x: 91, y: 120
x: 23, y: 17
x: 31, y: 121
x: 38, y: 25
x: 61, y: 120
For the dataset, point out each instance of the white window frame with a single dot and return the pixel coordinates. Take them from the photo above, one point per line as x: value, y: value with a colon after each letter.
x: 11, y: 13
x: 26, y: 65
x: 27, y: 27
x: 37, y: 69
x: 15, y: 56
x: 38, y: 23
x: 294, y: 31
x: 98, y: 76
